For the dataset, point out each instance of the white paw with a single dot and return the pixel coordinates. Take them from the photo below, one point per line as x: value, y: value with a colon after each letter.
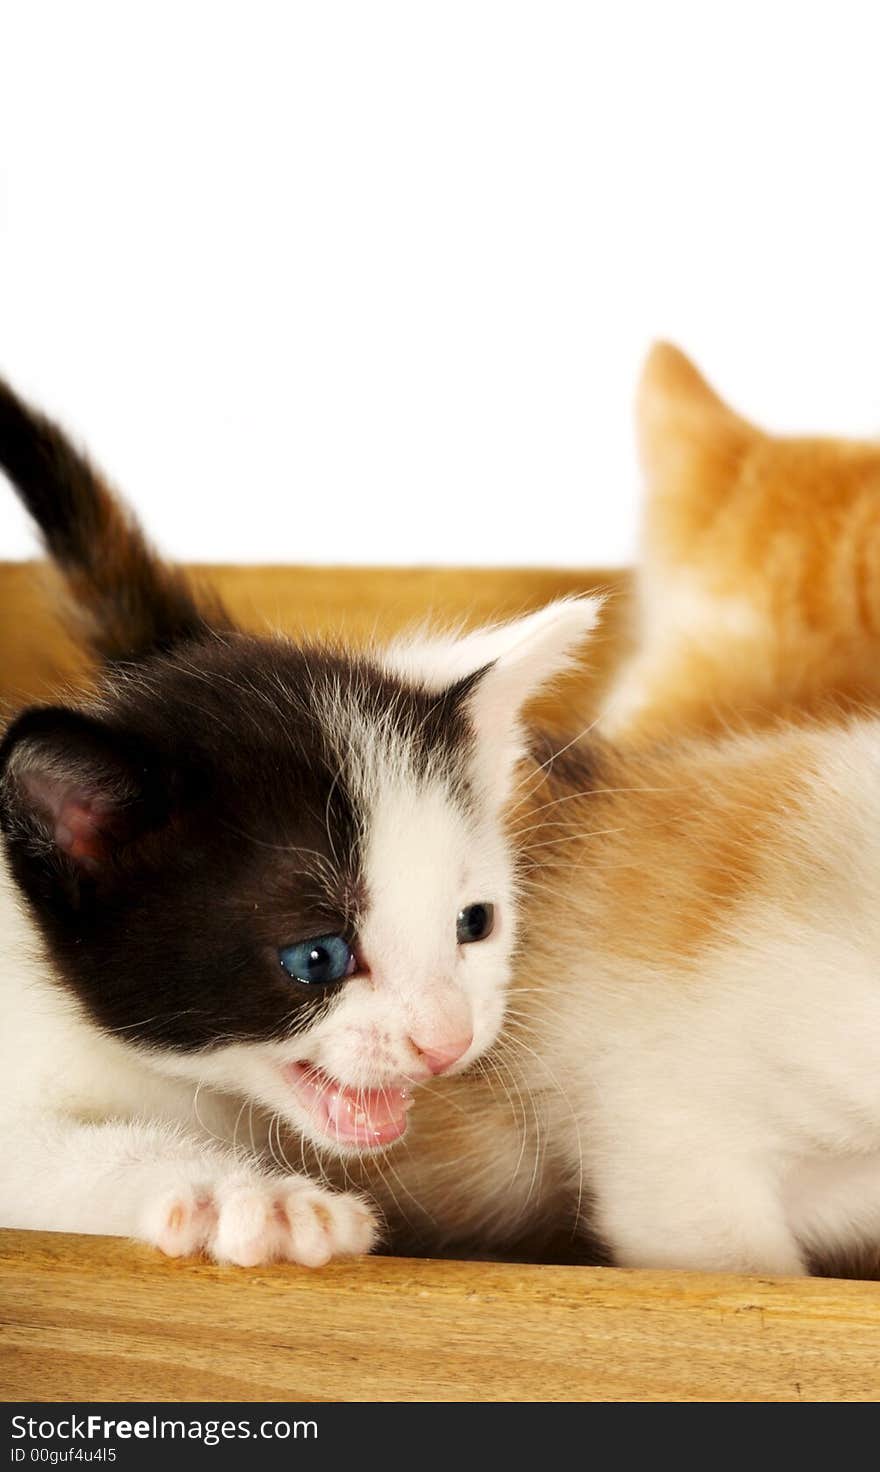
x: 249, y: 1220
x: 182, y: 1222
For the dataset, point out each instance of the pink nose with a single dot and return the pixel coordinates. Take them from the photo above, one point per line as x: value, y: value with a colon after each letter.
x: 441, y: 1057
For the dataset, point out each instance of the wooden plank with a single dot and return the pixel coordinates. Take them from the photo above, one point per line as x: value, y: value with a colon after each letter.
x: 353, y: 603
x: 89, y: 1318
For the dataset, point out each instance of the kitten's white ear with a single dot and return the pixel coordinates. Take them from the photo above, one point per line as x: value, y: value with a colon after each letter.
x: 516, y: 659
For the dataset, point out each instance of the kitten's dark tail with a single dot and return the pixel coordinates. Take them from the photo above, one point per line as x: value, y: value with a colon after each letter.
x: 130, y: 602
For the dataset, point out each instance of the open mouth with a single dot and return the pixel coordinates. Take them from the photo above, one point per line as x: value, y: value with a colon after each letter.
x: 350, y: 1116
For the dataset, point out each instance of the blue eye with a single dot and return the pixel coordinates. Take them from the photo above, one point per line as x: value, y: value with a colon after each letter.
x: 474, y: 923
x: 319, y: 962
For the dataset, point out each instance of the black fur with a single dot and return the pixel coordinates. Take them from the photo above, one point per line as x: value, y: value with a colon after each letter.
x: 232, y: 808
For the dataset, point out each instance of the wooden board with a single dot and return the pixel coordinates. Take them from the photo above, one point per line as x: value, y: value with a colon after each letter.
x: 90, y: 1318
x: 37, y: 657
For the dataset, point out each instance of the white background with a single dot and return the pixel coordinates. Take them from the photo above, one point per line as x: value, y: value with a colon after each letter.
x: 372, y: 281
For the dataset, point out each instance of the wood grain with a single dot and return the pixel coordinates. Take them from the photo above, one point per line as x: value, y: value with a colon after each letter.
x: 88, y: 1318
x: 38, y: 658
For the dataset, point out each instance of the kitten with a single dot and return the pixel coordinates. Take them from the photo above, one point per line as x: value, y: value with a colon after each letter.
x: 759, y: 585
x: 248, y: 885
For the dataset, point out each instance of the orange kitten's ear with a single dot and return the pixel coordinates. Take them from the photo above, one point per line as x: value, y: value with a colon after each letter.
x: 692, y: 446
x: 669, y: 376
x: 683, y: 426
x: 703, y: 466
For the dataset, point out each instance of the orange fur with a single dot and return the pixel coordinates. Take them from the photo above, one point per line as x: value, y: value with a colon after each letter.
x: 759, y: 590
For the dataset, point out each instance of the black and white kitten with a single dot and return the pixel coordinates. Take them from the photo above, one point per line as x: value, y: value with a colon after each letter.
x: 248, y: 882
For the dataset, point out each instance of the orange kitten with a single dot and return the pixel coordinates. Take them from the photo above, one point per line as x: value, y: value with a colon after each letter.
x: 759, y: 589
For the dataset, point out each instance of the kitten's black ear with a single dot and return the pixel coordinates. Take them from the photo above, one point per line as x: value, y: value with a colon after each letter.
x: 80, y: 796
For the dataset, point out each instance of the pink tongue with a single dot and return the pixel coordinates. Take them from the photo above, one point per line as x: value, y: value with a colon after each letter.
x: 366, y: 1115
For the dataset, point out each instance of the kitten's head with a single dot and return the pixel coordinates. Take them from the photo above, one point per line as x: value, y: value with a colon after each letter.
x: 284, y: 871
x: 756, y: 585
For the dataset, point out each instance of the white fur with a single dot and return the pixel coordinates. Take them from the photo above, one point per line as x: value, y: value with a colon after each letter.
x: 529, y: 650
x: 677, y: 618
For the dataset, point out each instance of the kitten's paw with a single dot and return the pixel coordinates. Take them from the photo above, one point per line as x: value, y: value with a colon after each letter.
x: 251, y: 1220
x: 289, y: 1221
x: 182, y: 1223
